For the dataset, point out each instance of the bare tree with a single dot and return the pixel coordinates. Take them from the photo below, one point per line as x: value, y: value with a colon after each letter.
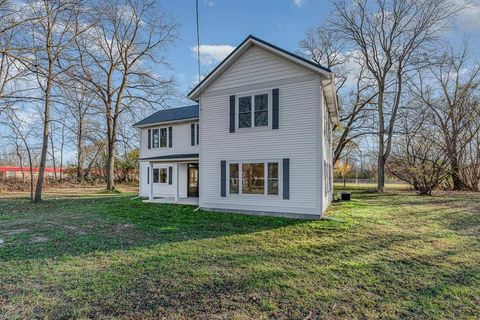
x: 416, y: 157
x: 52, y: 33
x: 450, y: 89
x: 21, y: 131
x: 323, y: 46
x: 390, y: 34
x: 79, y: 111
x: 117, y: 59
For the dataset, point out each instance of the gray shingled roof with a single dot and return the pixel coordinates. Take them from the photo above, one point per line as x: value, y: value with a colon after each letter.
x: 173, y: 157
x: 167, y: 115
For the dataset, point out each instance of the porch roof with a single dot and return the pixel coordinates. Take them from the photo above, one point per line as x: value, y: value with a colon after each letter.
x: 181, y: 156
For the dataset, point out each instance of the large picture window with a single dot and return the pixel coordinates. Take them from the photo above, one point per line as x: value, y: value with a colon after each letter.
x: 253, y: 178
x: 253, y: 111
x: 260, y: 178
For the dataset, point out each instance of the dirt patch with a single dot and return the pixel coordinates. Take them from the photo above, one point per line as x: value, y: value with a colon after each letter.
x: 122, y: 226
x: 40, y: 239
x: 75, y: 230
x: 13, y: 232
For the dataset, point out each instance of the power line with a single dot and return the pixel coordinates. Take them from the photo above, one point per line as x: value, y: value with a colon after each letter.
x: 198, y: 42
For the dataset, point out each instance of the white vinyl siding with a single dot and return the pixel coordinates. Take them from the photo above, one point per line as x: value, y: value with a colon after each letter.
x: 297, y: 139
x: 255, y: 66
x: 163, y: 189
x: 181, y: 142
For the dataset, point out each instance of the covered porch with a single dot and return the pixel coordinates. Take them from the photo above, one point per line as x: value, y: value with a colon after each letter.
x: 172, y: 179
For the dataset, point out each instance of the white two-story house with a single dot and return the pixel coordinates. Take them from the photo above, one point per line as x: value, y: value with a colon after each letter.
x: 259, y: 140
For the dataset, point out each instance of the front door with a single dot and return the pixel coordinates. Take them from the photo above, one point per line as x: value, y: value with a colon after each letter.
x: 192, y: 182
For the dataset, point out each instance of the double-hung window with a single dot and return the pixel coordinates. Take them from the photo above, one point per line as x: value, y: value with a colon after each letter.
x: 159, y: 138
x: 163, y: 137
x: 253, y: 111
x: 155, y: 138
x: 245, y: 112
x: 254, y: 178
x: 163, y: 175
x: 160, y: 175
x: 261, y: 110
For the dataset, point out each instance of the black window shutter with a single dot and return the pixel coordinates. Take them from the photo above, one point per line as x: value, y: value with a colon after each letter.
x: 149, y: 139
x: 286, y: 178
x: 232, y: 113
x: 223, y: 178
x: 148, y: 175
x: 192, y: 134
x: 170, y: 172
x: 170, y: 138
x: 198, y: 134
x: 275, y: 109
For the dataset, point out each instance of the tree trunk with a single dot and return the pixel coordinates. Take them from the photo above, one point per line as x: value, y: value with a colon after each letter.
x: 21, y: 163
x: 110, y: 165
x: 381, y: 142
x: 381, y: 173
x: 456, y: 178
x: 43, y: 156
x: 54, y: 160
x: 79, y: 151
x: 62, y: 145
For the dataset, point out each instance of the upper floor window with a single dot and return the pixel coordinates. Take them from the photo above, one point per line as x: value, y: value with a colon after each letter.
x: 245, y: 112
x: 194, y: 134
x: 160, y: 138
x: 155, y: 138
x: 253, y: 111
x: 163, y: 137
x: 261, y: 110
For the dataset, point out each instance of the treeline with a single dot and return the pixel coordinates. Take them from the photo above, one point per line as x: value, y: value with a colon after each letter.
x: 79, y: 73
x: 404, y: 90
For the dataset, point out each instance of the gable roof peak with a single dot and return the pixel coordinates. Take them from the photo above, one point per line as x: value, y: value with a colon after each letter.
x: 243, y: 47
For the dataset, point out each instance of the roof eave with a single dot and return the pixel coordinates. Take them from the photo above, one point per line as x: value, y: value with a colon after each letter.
x: 330, y: 94
x: 145, y: 125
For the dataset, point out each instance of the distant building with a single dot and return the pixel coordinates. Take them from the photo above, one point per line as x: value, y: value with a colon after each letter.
x: 16, y: 172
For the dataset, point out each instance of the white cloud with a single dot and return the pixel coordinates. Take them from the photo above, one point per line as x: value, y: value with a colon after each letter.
x: 210, y: 54
x: 469, y: 18
x: 209, y: 3
x: 298, y: 3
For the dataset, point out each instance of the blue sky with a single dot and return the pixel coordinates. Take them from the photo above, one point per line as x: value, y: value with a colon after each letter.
x: 225, y: 23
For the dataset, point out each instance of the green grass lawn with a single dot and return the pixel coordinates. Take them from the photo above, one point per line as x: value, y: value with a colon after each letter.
x: 380, y: 256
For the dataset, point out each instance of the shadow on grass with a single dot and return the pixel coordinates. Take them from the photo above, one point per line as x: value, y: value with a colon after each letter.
x: 59, y: 227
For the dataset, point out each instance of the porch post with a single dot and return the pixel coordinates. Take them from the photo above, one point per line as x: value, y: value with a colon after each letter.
x: 151, y: 181
x: 176, y: 181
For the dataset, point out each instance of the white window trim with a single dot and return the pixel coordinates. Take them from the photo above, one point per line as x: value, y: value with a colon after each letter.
x: 252, y: 95
x: 265, y: 167
x: 159, y: 137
